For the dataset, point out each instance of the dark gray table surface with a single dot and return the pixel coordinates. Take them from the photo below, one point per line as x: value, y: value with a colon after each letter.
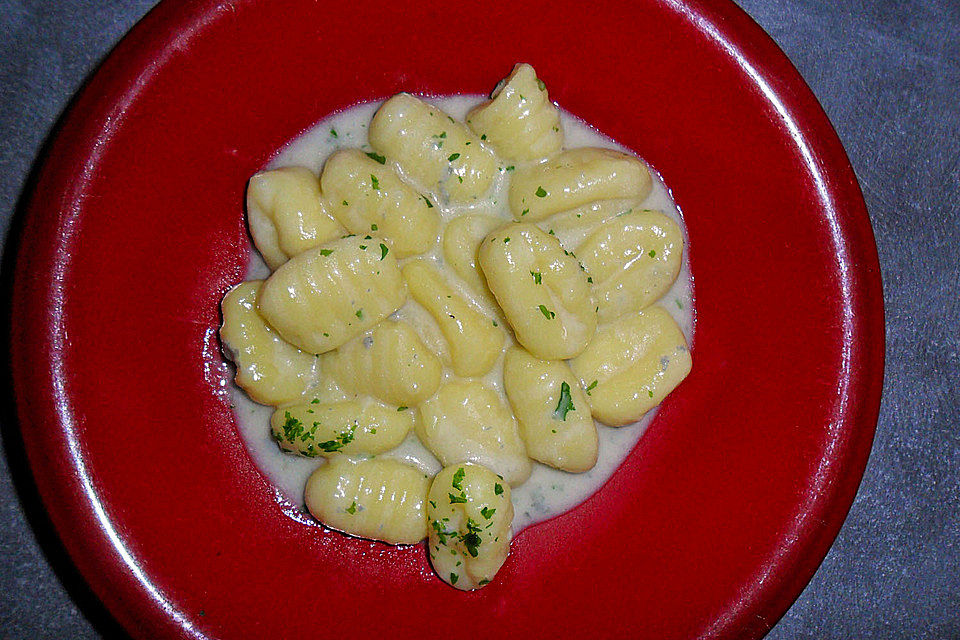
x: 888, y: 75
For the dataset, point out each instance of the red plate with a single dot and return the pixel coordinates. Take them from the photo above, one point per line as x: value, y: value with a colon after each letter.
x: 713, y: 524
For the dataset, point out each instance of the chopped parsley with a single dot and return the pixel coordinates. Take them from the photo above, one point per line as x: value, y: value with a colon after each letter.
x: 374, y: 182
x: 402, y: 408
x: 359, y: 313
x: 315, y: 401
x: 346, y: 204
x: 383, y: 251
x: 497, y: 488
x: 363, y: 246
x: 565, y: 404
x: 471, y: 540
x: 510, y: 168
x: 541, y: 192
x: 483, y: 137
x: 487, y: 512
x: 591, y: 387
x: 458, y: 479
x: 326, y: 252
x: 525, y: 212
x: 377, y: 157
x: 457, y: 499
x: 429, y: 204
x: 333, y: 132
x: 652, y: 254
x: 352, y: 509
x: 453, y: 578
x: 537, y: 278
x: 590, y: 279
x: 549, y: 315
x: 506, y: 240
x: 650, y: 392
x: 342, y: 439
x: 374, y: 227
x: 452, y: 157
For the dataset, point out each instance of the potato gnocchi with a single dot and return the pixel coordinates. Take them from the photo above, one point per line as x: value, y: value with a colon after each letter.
x: 468, y: 310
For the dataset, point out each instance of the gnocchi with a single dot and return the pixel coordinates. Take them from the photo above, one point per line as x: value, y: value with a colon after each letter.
x: 466, y: 421
x: 286, y: 214
x: 542, y: 290
x: 380, y: 499
x: 391, y: 364
x: 574, y: 178
x: 474, y: 339
x: 453, y: 318
x: 632, y: 364
x: 632, y: 261
x: 326, y: 296
x: 269, y: 369
x: 318, y: 429
x: 519, y: 121
x: 435, y: 150
x: 367, y: 197
x: 552, y: 411
x: 469, y: 514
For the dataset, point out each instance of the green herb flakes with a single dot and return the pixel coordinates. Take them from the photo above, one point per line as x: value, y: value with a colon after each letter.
x: 352, y: 509
x: 383, y: 251
x: 326, y: 252
x: 374, y: 182
x: 498, y: 488
x: 377, y: 157
x: 537, y: 278
x: 549, y: 315
x: 565, y: 404
x: 452, y: 157
x: 541, y: 192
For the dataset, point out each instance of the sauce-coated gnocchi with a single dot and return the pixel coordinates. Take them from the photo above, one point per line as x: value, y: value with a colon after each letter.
x: 451, y: 320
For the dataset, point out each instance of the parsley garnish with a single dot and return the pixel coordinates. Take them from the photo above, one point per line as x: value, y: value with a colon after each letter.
x: 377, y: 157
x: 452, y: 157
x: 401, y: 408
x: 549, y: 315
x: 525, y: 212
x: 541, y: 192
x: 506, y: 240
x: 652, y: 254
x: 458, y: 479
x: 359, y: 313
x: 429, y: 204
x: 344, y: 438
x: 483, y: 137
x: 472, y: 538
x: 326, y: 252
x: 566, y: 403
x: 374, y: 182
x: 346, y: 204
x: 374, y: 227
x: 497, y: 488
x: 590, y: 279
x: 537, y: 278
x: 352, y: 509
x: 487, y: 513
x: 457, y: 499
x: 383, y: 251
x: 315, y: 401
x: 593, y: 385
x: 333, y: 132
x: 510, y: 168
x: 453, y: 578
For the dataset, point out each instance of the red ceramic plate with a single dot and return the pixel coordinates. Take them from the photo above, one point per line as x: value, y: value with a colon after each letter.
x: 713, y: 524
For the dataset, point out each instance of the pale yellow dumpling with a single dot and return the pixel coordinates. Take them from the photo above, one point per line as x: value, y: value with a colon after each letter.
x: 380, y: 498
x: 469, y: 512
x: 632, y: 364
x: 575, y: 178
x: 391, y: 364
x: 466, y: 421
x: 475, y: 339
x: 434, y: 150
x: 552, y: 411
x: 573, y: 226
x: 519, y: 121
x: 326, y: 296
x: 357, y: 427
x: 368, y: 198
x: 542, y: 290
x: 461, y: 241
x: 286, y: 214
x: 269, y: 369
x: 632, y: 260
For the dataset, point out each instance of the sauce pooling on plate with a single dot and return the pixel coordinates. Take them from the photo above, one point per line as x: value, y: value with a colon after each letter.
x: 542, y: 285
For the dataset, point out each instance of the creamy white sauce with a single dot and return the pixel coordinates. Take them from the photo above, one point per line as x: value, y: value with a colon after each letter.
x: 548, y: 492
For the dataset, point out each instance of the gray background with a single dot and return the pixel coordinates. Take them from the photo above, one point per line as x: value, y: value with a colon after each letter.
x: 888, y: 76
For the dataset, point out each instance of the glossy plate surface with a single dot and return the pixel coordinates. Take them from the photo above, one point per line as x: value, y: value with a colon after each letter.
x: 713, y: 524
